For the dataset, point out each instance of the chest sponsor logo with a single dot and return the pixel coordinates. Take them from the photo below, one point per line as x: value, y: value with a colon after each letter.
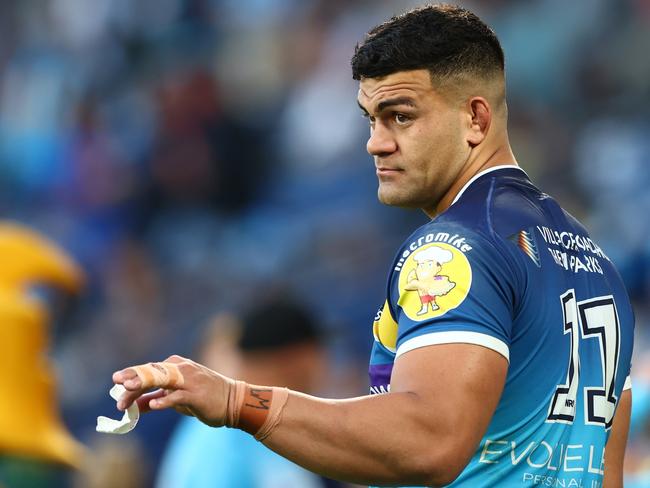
x: 434, y: 279
x: 573, y: 252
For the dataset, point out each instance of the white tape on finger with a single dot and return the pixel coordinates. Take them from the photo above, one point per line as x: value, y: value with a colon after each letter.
x: 128, y: 421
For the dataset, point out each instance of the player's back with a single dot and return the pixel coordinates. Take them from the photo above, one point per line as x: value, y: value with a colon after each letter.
x: 569, y: 347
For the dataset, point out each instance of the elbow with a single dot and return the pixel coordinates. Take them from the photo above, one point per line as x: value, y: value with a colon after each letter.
x: 436, y: 466
x: 443, y: 478
x: 443, y: 473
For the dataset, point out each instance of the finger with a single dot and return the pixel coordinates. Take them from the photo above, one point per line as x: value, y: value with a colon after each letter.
x: 174, y: 399
x: 127, y: 398
x: 128, y: 374
x: 143, y: 401
x: 152, y: 375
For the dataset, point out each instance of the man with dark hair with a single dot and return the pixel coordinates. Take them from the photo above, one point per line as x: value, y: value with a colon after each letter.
x: 255, y: 348
x: 518, y: 375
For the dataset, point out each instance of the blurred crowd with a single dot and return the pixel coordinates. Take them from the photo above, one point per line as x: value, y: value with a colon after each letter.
x: 198, y: 156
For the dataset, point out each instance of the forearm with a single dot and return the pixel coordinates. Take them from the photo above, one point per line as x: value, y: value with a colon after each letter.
x: 395, y: 438
x: 415, y: 435
x: 374, y: 440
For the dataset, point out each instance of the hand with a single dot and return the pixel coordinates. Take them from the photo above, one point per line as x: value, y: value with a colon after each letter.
x: 188, y: 387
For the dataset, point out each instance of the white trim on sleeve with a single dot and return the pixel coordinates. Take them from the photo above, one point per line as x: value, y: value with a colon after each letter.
x: 455, y: 336
x: 628, y: 383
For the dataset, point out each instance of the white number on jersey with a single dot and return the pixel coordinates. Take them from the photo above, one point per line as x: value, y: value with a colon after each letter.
x: 595, y: 318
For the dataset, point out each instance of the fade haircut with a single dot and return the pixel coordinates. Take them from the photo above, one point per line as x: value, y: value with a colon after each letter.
x: 448, y: 41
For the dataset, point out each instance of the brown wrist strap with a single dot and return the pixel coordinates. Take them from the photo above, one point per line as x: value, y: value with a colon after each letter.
x: 255, y: 409
x: 280, y: 397
x: 235, y: 401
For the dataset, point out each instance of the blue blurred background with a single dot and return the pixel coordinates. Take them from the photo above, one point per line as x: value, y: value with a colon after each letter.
x: 196, y: 155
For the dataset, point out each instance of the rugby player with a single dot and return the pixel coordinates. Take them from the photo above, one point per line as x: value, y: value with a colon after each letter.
x: 502, y: 351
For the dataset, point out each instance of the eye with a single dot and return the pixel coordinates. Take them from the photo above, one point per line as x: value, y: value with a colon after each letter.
x: 401, y: 119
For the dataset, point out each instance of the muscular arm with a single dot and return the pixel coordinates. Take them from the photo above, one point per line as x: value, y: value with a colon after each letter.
x: 615, y: 449
x: 422, y: 433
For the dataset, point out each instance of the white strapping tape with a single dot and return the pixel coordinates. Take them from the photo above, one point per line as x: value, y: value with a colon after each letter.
x: 129, y: 419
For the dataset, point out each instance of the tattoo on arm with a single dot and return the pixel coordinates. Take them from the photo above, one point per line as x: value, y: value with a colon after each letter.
x: 261, y: 398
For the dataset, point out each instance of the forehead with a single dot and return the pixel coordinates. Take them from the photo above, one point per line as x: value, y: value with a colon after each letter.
x: 414, y: 84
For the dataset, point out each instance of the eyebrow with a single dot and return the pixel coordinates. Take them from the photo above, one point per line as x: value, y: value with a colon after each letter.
x: 391, y: 102
x: 363, y: 109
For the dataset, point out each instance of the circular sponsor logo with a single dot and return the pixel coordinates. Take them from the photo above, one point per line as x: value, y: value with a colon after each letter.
x: 434, y: 279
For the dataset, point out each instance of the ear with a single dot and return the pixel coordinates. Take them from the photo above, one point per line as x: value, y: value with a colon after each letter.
x: 480, y: 114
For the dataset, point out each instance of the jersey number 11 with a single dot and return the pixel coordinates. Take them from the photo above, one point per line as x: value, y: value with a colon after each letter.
x: 595, y: 319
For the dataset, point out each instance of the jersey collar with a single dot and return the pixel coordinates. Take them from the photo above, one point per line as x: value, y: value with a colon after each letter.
x: 482, y: 173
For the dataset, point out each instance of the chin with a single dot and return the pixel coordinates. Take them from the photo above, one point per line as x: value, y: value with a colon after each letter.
x: 388, y: 198
x: 393, y: 199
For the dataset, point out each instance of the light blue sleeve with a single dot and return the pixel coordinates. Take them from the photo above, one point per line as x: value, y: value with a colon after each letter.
x: 201, y: 456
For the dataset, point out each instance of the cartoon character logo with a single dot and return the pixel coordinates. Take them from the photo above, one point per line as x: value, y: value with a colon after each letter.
x: 435, y: 279
x: 425, y: 278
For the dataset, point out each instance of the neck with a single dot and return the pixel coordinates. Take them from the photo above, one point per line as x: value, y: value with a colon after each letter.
x: 475, y: 164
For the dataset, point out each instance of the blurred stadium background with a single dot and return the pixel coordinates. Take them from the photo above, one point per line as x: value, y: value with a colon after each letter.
x: 197, y: 155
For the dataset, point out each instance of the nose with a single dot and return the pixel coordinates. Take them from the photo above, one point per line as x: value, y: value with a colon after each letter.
x: 381, y: 141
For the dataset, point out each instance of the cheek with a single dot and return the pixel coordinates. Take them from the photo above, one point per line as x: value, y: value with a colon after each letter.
x: 420, y: 150
x: 434, y: 140
x: 444, y: 147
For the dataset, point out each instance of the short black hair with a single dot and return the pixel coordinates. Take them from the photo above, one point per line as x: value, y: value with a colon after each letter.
x: 445, y: 39
x: 278, y: 323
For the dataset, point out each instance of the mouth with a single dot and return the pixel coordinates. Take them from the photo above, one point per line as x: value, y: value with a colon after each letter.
x: 387, y: 171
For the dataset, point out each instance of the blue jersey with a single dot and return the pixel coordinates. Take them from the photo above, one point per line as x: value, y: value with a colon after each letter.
x: 505, y: 267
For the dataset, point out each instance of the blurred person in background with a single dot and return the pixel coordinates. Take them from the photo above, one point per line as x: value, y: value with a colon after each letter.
x: 277, y: 342
x: 530, y: 346
x: 36, y: 276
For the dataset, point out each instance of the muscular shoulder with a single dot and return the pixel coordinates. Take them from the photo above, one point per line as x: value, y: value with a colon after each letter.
x: 465, y: 258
